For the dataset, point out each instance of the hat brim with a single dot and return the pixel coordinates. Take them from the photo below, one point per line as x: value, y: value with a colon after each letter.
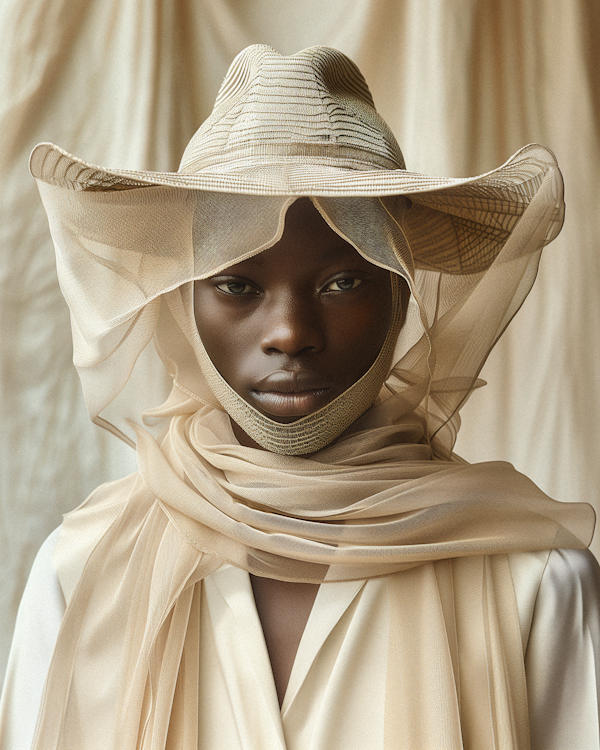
x: 295, y: 176
x: 455, y: 225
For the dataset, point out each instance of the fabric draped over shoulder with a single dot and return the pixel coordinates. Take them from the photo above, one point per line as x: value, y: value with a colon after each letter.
x: 373, y: 503
x: 370, y: 504
x: 386, y: 496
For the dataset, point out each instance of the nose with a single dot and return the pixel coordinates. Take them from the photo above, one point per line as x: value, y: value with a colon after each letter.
x: 292, y: 327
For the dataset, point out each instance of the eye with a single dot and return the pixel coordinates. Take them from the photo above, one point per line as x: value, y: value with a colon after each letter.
x: 343, y: 285
x: 236, y: 288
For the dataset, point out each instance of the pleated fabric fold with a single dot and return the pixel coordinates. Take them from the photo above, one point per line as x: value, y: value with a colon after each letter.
x: 132, y: 559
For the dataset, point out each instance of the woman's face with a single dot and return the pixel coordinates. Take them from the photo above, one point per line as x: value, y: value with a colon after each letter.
x: 295, y: 326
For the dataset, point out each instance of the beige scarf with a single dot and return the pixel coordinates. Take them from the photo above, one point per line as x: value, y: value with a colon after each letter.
x: 125, y: 669
x: 129, y: 245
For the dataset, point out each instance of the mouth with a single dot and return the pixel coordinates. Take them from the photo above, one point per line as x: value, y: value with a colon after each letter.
x: 291, y: 394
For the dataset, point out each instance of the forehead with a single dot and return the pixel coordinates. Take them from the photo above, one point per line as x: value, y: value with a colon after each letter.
x: 307, y: 241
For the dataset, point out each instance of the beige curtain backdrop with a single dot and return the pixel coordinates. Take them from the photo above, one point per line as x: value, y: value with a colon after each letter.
x: 463, y: 84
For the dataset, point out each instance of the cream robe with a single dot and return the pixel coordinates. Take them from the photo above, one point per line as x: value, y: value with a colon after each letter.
x: 336, y: 694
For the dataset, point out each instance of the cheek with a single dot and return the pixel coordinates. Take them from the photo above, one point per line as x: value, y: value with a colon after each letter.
x: 357, y: 335
x: 219, y: 334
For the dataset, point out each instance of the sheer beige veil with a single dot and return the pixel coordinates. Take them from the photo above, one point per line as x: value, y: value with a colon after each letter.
x: 129, y: 246
x: 127, y: 258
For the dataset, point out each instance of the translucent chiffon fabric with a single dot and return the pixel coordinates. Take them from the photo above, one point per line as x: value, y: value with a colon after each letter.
x: 336, y: 695
x: 368, y: 505
x: 125, y: 667
x: 131, y: 561
x: 469, y: 250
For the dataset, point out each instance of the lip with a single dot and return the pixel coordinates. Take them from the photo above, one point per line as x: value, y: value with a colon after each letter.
x: 291, y: 393
x: 276, y: 404
x: 292, y: 381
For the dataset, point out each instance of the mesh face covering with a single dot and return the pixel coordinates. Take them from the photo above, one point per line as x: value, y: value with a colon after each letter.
x: 315, y: 431
x: 371, y: 503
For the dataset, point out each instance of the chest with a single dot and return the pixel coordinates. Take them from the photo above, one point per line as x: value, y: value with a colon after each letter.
x: 335, y: 693
x: 283, y: 608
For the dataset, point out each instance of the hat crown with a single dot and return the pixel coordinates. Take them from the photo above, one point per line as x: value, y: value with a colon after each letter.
x: 314, y: 104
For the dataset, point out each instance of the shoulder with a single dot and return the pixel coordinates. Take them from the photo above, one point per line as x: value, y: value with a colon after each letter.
x: 562, y: 656
x: 42, y: 589
x: 575, y: 567
x: 42, y: 605
x: 85, y: 526
x: 570, y: 584
x: 38, y: 621
x: 568, y: 600
x: 553, y: 578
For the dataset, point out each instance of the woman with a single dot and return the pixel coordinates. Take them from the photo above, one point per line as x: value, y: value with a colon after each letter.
x: 301, y: 561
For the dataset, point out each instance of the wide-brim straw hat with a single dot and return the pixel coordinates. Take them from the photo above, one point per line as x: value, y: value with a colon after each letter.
x: 305, y: 125
x: 130, y: 242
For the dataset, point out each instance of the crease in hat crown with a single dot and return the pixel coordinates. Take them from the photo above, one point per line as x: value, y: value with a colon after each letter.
x: 281, y: 109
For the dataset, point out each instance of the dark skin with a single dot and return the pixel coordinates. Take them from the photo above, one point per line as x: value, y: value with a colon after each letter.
x: 290, y: 330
